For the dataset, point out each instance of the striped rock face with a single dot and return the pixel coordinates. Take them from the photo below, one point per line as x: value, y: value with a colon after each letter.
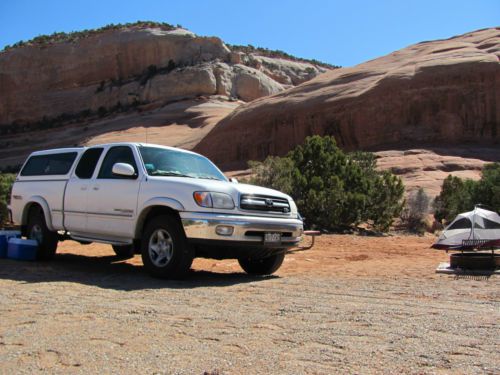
x: 440, y: 93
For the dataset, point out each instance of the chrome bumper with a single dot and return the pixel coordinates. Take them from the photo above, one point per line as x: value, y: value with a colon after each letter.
x: 201, y: 226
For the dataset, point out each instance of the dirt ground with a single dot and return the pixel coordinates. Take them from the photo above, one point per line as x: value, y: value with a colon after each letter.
x: 351, y: 304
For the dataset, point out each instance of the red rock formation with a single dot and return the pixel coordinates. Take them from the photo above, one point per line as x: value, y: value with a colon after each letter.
x: 442, y: 92
x: 127, y: 66
x: 65, y: 77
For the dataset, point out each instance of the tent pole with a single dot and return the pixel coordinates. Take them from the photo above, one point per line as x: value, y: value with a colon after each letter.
x: 474, y: 222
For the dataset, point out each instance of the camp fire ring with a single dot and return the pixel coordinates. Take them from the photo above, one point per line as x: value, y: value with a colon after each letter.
x: 475, y: 261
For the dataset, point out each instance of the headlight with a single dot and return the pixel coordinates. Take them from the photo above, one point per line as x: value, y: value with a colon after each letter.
x: 213, y: 200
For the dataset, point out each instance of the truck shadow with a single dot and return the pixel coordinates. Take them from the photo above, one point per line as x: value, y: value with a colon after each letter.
x: 108, y: 272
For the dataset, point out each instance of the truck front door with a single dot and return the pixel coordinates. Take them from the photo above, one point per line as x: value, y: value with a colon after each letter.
x: 112, y: 199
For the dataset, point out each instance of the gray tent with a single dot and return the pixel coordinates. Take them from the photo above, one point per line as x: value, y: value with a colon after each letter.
x: 478, y: 229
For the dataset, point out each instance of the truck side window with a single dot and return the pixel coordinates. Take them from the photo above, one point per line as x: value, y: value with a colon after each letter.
x: 88, y: 162
x: 117, y: 154
x: 49, y: 164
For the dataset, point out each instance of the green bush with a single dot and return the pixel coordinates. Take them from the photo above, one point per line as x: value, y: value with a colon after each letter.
x: 458, y: 195
x: 487, y: 191
x: 333, y: 190
x: 6, y: 181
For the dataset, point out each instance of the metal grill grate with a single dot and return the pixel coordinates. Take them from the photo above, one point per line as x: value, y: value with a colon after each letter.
x: 264, y: 203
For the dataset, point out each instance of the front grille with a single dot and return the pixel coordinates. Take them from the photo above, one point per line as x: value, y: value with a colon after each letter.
x: 264, y: 203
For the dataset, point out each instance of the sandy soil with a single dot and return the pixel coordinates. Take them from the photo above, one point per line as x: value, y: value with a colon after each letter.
x: 351, y: 304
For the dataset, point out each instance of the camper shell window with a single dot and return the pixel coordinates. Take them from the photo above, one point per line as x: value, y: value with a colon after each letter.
x: 49, y: 164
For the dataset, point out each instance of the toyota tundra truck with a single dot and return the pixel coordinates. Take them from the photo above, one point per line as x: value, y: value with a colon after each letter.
x: 169, y: 205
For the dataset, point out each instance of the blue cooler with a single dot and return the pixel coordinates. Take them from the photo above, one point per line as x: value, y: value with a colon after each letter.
x: 4, y: 239
x: 22, y: 249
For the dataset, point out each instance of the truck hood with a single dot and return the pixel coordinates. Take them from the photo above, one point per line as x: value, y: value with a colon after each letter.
x: 197, y: 184
x: 185, y: 187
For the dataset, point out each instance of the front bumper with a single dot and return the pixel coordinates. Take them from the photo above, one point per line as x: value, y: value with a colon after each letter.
x: 248, y: 230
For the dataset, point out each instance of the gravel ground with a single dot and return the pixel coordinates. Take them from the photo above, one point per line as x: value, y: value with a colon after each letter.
x: 328, y: 310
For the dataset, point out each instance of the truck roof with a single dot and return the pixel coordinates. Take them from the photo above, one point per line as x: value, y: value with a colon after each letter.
x: 57, y: 150
x: 83, y: 148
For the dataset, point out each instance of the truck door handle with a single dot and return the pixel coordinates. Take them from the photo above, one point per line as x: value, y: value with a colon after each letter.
x: 96, y: 188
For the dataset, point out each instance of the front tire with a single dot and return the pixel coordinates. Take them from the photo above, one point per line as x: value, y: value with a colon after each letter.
x: 164, y: 248
x: 265, y: 266
x: 37, y: 230
x: 124, y: 251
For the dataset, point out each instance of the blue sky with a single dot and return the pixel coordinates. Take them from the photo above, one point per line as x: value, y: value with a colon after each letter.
x: 339, y: 32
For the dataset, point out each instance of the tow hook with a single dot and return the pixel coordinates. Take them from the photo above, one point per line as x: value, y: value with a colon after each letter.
x: 311, y: 233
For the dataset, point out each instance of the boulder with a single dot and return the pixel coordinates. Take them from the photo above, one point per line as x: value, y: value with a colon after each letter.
x: 250, y: 84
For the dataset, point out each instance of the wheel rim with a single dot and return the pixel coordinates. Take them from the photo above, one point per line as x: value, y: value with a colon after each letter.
x: 160, y: 248
x: 36, y: 233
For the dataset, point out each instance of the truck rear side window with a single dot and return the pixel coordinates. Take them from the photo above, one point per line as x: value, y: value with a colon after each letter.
x: 88, y: 162
x: 49, y: 164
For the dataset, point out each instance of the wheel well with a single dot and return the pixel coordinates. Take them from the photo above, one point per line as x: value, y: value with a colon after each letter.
x: 34, y: 207
x: 30, y: 208
x: 152, y: 212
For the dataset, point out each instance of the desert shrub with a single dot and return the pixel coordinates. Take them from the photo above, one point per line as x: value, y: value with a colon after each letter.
x: 333, y: 190
x: 487, y: 191
x: 170, y: 66
x: 149, y: 73
x: 274, y: 172
x: 366, y: 160
x: 59, y: 37
x: 385, y: 199
x: 6, y: 181
x: 458, y: 195
x: 277, y: 54
x: 415, y: 211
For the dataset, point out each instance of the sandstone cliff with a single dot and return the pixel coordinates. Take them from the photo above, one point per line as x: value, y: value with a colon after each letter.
x: 124, y: 67
x: 134, y: 82
x: 444, y: 92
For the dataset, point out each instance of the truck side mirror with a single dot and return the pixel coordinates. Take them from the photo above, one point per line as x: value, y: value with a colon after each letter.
x: 123, y: 169
x: 234, y: 180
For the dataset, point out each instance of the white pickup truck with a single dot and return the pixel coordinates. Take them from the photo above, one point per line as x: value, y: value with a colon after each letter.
x: 170, y: 205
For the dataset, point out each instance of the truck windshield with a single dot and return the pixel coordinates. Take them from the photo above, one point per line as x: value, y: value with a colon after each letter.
x: 165, y: 162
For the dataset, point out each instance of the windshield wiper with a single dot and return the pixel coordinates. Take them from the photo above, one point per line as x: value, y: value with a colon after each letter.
x: 165, y: 173
x: 209, y: 178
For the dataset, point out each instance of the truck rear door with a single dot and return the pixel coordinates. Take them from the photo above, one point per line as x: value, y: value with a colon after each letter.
x: 76, y: 196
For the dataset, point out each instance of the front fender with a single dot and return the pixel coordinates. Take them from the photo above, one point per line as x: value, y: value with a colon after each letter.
x: 45, y: 207
x: 172, y: 203
x: 166, y: 202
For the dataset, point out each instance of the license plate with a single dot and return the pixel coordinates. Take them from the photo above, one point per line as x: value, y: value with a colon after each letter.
x: 272, y: 237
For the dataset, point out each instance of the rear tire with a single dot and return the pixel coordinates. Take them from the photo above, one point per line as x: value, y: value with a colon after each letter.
x: 265, y: 266
x: 124, y: 251
x: 37, y: 230
x: 164, y: 248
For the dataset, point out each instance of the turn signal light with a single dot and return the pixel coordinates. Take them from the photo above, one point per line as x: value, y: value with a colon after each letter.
x: 203, y: 198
